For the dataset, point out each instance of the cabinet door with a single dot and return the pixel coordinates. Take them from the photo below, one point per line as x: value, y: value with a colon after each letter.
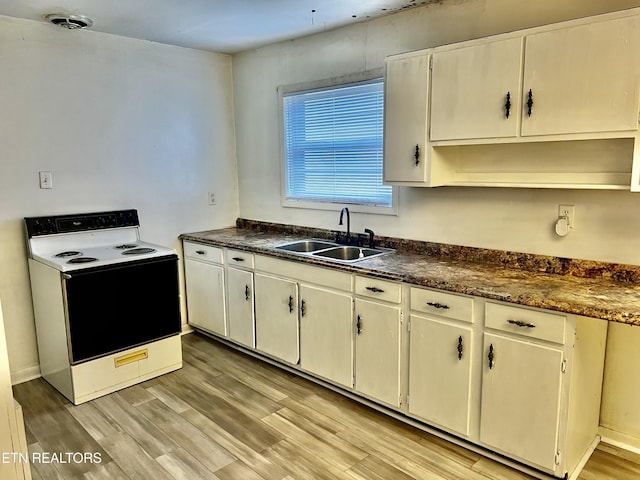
x: 521, y: 399
x: 406, y: 89
x: 378, y: 351
x: 326, y: 335
x: 205, y: 296
x: 440, y: 355
x: 240, y: 306
x: 277, y: 317
x: 583, y: 79
x: 469, y: 88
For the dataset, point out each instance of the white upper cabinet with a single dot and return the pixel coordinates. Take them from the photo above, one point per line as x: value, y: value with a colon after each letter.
x: 405, y: 118
x: 555, y: 106
x: 476, y: 91
x: 583, y: 79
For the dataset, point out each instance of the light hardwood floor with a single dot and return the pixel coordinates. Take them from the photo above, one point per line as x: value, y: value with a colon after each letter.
x: 228, y: 416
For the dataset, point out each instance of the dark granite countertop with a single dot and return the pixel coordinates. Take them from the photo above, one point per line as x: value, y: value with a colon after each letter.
x: 593, y: 289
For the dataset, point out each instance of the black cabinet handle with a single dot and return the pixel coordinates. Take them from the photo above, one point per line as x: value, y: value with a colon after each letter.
x: 520, y: 323
x: 416, y: 155
x: 374, y: 289
x: 460, y: 347
x: 490, y: 356
x: 303, y: 308
x: 290, y: 303
x: 438, y: 305
x: 529, y: 102
x: 358, y: 325
x: 201, y: 252
x: 237, y: 259
x: 246, y: 292
x: 507, y: 105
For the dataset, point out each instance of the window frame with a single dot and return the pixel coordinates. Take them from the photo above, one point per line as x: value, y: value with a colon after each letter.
x: 368, y: 76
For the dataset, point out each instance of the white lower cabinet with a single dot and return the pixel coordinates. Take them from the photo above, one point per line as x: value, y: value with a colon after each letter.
x: 521, y: 394
x: 277, y: 333
x: 240, y: 306
x: 377, y: 351
x: 541, y: 386
x: 326, y: 338
x: 440, y: 356
x: 204, y: 280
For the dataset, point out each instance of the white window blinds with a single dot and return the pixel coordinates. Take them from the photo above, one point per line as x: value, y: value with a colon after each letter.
x: 333, y: 145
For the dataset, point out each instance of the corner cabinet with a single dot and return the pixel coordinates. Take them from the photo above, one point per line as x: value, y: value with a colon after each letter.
x: 549, y: 107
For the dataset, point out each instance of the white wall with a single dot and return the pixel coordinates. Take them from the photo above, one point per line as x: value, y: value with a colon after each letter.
x: 120, y: 123
x: 507, y: 219
x: 607, y: 223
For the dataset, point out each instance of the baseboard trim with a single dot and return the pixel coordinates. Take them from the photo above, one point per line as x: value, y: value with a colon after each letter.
x: 619, y: 439
x: 26, y: 374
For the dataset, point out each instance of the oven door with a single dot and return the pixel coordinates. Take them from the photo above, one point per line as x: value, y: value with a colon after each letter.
x: 113, y: 308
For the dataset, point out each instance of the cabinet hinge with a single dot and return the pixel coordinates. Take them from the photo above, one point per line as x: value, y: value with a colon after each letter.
x: 431, y: 63
x: 563, y: 366
x: 400, y: 400
x: 557, y: 458
x: 409, y: 326
x: 401, y: 317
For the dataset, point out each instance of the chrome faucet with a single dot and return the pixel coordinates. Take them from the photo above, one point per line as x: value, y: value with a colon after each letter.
x: 345, y: 209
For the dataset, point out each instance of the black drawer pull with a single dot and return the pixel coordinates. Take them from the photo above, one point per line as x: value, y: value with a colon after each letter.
x: 438, y: 305
x: 520, y: 323
x: 460, y: 347
x: 201, y: 252
x: 237, y: 259
x: 374, y: 289
x: 490, y: 356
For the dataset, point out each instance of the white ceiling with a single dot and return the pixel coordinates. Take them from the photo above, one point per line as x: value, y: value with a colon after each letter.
x: 225, y: 26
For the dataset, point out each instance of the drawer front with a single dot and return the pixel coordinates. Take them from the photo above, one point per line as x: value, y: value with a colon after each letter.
x: 239, y: 258
x: 528, y: 323
x: 378, y: 289
x: 161, y: 355
x: 206, y: 253
x: 301, y: 272
x: 443, y: 304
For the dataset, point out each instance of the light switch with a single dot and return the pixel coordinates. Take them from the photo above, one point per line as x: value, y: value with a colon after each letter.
x: 46, y: 181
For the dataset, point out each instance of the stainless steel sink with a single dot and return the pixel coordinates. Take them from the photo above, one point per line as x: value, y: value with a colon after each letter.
x: 306, y: 246
x: 331, y: 250
x: 349, y: 253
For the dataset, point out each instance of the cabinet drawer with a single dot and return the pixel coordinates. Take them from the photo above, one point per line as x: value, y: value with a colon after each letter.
x: 238, y: 258
x: 525, y: 322
x: 443, y: 304
x: 301, y: 272
x: 378, y: 289
x: 206, y: 253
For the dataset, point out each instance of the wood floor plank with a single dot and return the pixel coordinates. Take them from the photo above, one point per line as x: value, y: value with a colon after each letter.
x: 242, y: 451
x: 373, y: 468
x: 135, y: 424
x: 182, y: 465
x: 302, y: 464
x: 496, y: 471
x: 93, y: 420
x: 191, y: 439
x: 238, y: 470
x: 172, y: 401
x: 107, y: 471
x: 133, y: 459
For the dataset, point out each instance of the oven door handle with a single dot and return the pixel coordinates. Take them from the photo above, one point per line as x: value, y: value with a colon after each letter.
x: 66, y: 276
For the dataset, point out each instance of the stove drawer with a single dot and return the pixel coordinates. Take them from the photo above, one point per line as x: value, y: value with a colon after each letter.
x: 205, y: 253
x: 119, y: 370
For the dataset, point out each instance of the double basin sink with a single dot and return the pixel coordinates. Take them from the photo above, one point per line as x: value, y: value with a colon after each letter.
x: 331, y: 250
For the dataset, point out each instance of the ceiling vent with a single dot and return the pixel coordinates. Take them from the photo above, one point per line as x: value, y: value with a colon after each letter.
x: 71, y: 22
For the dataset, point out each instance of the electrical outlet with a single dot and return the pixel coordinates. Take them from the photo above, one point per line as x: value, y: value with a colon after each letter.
x: 569, y: 212
x: 212, y: 198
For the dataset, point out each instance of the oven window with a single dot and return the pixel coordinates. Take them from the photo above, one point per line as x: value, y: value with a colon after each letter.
x: 115, y: 308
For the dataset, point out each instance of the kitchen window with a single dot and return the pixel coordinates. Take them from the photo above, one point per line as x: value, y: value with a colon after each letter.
x: 332, y: 136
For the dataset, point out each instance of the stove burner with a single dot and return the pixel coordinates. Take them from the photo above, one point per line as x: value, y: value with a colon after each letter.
x: 125, y: 246
x: 70, y: 253
x: 138, y: 251
x: 82, y: 260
